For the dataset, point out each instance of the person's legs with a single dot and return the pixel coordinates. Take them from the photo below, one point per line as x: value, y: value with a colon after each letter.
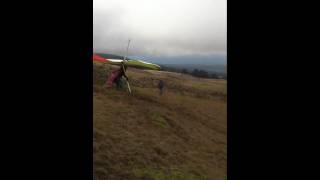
x: 119, y: 84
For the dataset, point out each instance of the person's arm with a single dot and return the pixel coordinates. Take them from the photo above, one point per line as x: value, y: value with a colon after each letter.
x: 124, y: 72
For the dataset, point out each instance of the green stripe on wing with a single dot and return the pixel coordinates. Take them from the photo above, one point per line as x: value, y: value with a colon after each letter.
x: 137, y: 64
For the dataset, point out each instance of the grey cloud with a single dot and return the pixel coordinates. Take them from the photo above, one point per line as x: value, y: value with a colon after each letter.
x: 202, y: 35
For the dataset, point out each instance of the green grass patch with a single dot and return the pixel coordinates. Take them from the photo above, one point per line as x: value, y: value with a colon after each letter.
x: 165, y: 173
x: 159, y: 120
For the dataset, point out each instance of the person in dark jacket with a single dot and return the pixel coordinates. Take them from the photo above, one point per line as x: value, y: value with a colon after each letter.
x: 161, y: 86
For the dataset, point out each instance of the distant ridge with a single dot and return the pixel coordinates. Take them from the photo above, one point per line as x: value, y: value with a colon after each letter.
x: 206, y: 67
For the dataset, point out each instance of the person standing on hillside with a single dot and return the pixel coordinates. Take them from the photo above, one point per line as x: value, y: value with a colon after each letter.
x: 161, y: 86
x: 116, y: 76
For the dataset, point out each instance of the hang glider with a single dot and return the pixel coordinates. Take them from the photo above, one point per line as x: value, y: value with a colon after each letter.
x: 130, y: 62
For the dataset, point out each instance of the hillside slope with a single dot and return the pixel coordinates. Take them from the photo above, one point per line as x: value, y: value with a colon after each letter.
x: 181, y: 135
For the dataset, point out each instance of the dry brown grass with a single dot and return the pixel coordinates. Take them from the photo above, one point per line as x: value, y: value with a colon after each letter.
x: 181, y: 135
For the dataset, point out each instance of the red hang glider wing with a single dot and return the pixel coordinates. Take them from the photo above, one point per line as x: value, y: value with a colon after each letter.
x: 99, y: 58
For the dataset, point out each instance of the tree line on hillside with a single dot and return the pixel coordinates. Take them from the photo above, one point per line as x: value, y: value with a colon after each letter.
x: 195, y: 72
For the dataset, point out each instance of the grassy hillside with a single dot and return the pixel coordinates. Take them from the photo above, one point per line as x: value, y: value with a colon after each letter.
x: 181, y: 135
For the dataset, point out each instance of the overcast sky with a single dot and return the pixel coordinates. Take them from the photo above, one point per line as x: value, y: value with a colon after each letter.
x: 160, y: 27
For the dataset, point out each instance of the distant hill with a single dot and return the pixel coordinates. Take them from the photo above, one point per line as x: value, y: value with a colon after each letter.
x: 219, y: 69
